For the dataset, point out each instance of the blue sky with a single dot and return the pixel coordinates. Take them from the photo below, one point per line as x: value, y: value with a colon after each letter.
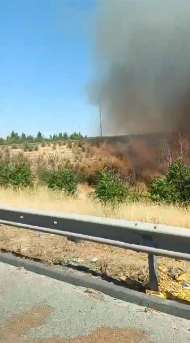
x: 45, y: 63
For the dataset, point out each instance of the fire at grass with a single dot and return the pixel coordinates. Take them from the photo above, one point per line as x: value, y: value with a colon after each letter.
x: 113, y: 264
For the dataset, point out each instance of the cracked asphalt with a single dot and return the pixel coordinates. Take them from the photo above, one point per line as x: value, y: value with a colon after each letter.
x: 37, y: 309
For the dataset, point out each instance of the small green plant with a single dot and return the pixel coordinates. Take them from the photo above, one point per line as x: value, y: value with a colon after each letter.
x: 65, y: 180
x: 174, y: 188
x: 20, y: 174
x: 15, y: 175
x: 110, y: 189
x: 14, y: 146
x: 162, y: 191
x: 4, y: 174
x: 36, y: 148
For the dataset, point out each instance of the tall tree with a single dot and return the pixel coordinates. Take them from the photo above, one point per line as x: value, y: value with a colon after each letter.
x: 39, y: 136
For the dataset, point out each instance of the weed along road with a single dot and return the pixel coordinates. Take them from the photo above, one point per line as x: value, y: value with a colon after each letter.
x: 37, y: 309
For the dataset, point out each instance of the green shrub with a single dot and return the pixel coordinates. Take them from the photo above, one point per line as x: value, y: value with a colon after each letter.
x: 36, y: 148
x: 163, y: 191
x: 14, y: 146
x: 20, y: 175
x: 64, y: 179
x: 110, y: 189
x: 174, y: 188
x: 4, y: 174
x: 15, y: 175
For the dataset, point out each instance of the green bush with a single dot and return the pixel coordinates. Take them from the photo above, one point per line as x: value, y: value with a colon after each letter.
x: 110, y: 189
x: 64, y: 179
x: 4, y: 174
x: 174, y: 188
x: 20, y: 175
x: 163, y: 191
x: 15, y: 175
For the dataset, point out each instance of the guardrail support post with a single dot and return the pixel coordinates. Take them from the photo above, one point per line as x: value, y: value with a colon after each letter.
x: 74, y: 239
x: 153, y: 272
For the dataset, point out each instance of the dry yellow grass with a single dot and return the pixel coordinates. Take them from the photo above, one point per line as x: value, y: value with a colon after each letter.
x: 43, y: 199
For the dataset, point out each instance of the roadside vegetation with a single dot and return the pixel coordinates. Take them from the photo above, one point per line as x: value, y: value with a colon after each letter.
x: 109, y: 187
x: 85, y: 177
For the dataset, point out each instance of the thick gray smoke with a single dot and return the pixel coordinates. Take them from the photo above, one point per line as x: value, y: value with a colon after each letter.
x: 143, y: 66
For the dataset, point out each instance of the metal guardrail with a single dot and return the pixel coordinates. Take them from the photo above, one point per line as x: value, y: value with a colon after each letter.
x: 155, y: 240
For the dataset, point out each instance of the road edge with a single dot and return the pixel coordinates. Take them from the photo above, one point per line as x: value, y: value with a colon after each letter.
x: 87, y: 281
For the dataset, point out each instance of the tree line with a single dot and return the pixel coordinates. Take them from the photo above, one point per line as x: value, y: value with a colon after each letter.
x: 15, y: 138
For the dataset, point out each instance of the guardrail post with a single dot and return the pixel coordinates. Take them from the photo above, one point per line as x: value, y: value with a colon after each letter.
x: 74, y: 239
x: 153, y: 272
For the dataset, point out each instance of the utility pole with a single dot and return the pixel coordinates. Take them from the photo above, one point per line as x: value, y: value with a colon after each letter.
x: 100, y: 113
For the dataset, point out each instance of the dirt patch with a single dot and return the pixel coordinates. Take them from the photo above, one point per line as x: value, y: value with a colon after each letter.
x: 103, y: 335
x: 19, y: 325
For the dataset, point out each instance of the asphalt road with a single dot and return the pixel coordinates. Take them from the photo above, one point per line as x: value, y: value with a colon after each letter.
x: 38, y: 309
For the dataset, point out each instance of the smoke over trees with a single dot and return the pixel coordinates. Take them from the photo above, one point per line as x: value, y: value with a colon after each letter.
x: 142, y: 63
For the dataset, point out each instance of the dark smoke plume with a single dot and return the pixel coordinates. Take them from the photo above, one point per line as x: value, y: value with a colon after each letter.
x: 143, y: 66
